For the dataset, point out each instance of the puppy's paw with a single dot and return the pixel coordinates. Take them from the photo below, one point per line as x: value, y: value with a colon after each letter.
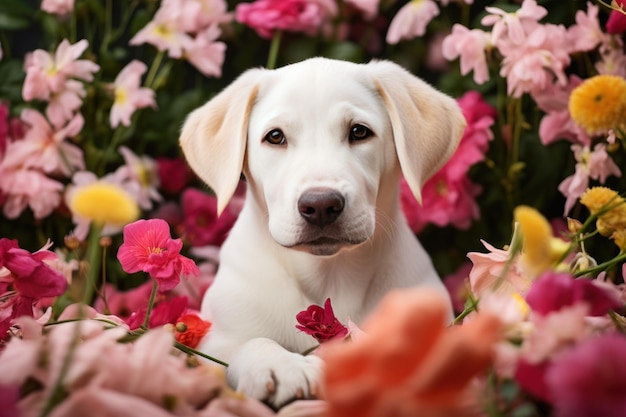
x: 264, y: 370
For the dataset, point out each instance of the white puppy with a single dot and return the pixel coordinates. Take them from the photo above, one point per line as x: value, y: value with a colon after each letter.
x: 322, y: 145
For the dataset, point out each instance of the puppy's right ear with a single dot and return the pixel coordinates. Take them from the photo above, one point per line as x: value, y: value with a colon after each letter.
x: 214, y: 136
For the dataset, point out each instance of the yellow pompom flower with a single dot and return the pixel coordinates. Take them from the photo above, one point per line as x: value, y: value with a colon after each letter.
x: 609, y: 206
x: 599, y: 103
x: 104, y: 203
x: 540, y: 249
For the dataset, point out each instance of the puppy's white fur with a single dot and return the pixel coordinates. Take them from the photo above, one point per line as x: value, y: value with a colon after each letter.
x: 275, y: 263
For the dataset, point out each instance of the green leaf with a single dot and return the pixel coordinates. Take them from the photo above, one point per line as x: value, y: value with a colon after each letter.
x: 15, y: 14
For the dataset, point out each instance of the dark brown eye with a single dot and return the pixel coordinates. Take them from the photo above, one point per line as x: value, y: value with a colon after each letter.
x: 275, y: 137
x: 359, y: 132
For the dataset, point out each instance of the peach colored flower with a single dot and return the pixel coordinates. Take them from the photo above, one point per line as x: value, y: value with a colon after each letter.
x: 409, y: 363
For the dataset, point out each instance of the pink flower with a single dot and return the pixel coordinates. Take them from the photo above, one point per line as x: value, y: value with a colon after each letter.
x: 470, y: 46
x: 197, y: 15
x: 4, y: 129
x: 205, y: 53
x: 487, y: 272
x: 58, y: 7
x: 588, y: 380
x: 54, y: 79
x: 321, y: 323
x: 123, y: 303
x: 586, y: 34
x: 411, y: 20
x: 129, y: 96
x: 511, y: 25
x: 46, y: 148
x: 616, y: 24
x: 28, y: 188
x: 201, y: 225
x: 149, y: 247
x: 457, y: 284
x: 139, y: 177
x: 555, y: 291
x: 557, y: 123
x: 597, y: 165
x: 266, y: 16
x: 165, y: 30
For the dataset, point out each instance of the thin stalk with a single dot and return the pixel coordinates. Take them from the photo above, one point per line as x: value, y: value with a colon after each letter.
x: 93, y: 260
x: 274, y: 48
x: 153, y: 294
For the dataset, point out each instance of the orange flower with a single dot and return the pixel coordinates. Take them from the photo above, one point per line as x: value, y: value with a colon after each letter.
x: 409, y: 363
x: 190, y: 329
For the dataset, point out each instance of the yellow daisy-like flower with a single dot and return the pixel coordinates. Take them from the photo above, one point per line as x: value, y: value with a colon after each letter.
x: 540, y: 249
x: 619, y: 237
x: 597, y: 199
x: 104, y: 204
x: 599, y: 103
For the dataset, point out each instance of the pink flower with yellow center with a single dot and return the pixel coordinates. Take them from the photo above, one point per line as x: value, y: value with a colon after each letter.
x: 149, y: 247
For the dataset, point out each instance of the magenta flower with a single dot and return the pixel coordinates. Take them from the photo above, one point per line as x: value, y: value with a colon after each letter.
x: 24, y: 279
x: 202, y: 226
x: 321, y: 323
x: 617, y: 21
x: 588, y: 380
x: 266, y: 16
x: 554, y: 291
x: 149, y: 247
x: 164, y: 312
x: 174, y: 174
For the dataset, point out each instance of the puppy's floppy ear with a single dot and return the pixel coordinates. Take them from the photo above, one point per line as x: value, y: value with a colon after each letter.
x: 214, y: 136
x: 427, y: 124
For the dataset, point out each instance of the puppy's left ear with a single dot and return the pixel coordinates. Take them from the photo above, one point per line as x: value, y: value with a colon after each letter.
x: 427, y: 124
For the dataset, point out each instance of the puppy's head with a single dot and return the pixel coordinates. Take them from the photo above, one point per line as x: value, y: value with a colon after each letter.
x: 321, y: 143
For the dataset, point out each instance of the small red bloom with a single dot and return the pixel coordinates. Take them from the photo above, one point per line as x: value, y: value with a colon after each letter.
x: 190, y: 329
x: 321, y: 323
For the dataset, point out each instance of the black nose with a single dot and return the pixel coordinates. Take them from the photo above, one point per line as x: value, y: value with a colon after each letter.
x: 321, y: 206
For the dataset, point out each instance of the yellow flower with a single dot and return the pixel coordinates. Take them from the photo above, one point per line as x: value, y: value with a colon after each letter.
x: 540, y: 249
x: 597, y: 199
x: 619, y: 237
x: 104, y: 204
x: 599, y: 103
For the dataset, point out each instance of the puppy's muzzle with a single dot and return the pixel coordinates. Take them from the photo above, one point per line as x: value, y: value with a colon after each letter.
x: 321, y: 206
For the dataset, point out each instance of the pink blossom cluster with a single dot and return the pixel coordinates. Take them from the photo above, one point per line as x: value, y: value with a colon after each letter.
x: 535, y: 58
x: 189, y: 29
x: 448, y: 198
x: 109, y: 378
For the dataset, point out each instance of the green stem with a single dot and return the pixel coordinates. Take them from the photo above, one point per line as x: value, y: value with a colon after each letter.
x: 93, y: 262
x: 154, y: 68
x: 473, y: 306
x: 603, y: 266
x: 274, y: 48
x: 58, y: 392
x: 190, y: 351
x: 153, y: 294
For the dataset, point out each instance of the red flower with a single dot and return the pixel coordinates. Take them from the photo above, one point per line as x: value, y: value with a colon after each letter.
x: 174, y: 174
x: 617, y: 20
x: 201, y: 224
x: 149, y: 247
x: 164, y: 312
x: 190, y: 329
x: 321, y: 323
x: 28, y: 277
